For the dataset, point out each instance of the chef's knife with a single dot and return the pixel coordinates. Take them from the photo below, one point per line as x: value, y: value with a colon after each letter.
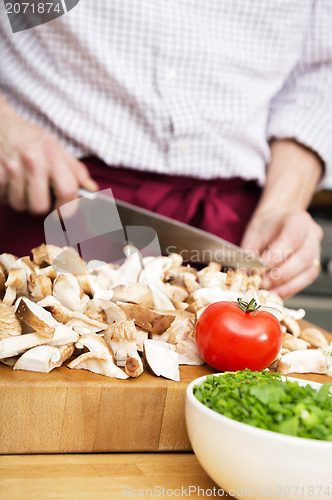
x: 195, y: 245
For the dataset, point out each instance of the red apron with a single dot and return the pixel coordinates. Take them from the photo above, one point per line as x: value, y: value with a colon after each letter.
x: 220, y: 206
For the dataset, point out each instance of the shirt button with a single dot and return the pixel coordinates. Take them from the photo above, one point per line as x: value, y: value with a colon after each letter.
x: 170, y: 75
x: 184, y: 146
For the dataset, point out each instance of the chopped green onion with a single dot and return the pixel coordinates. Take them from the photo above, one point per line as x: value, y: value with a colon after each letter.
x: 265, y: 400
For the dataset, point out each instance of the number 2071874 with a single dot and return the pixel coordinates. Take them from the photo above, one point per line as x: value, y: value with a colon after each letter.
x: 33, y: 7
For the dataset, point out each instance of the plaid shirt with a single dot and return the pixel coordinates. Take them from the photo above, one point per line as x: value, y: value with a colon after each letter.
x: 188, y: 87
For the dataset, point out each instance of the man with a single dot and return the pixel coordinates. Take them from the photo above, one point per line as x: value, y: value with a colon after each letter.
x: 191, y: 108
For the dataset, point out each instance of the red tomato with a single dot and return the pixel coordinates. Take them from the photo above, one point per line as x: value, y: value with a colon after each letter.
x: 230, y: 339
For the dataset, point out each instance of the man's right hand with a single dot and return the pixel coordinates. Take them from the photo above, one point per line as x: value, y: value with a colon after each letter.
x: 32, y: 162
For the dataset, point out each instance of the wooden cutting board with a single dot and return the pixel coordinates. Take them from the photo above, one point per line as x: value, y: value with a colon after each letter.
x: 75, y: 411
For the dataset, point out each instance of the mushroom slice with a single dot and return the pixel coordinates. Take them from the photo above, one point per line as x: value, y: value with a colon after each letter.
x: 9, y: 361
x: 136, y: 293
x: 3, y: 278
x: 7, y: 260
x: 67, y: 290
x: 44, y: 358
x: 48, y: 302
x: 95, y: 343
x: 141, y: 335
x: 9, y: 323
x: 152, y: 275
x: 176, y: 293
x: 237, y: 281
x: 97, y: 314
x: 13, y: 346
x: 291, y: 325
x: 182, y: 276
x: 48, y: 271
x: 69, y: 261
x: 16, y: 286
x: 100, y: 359
x: 308, y: 361
x: 109, y: 277
x: 181, y: 334
x: 212, y: 276
x: 314, y: 337
x: 294, y: 343
x: 161, y: 359
x: 148, y: 319
x: 42, y: 287
x: 74, y: 319
x: 35, y: 316
x: 206, y: 296
x: 98, y: 363
x: 121, y: 337
x: 112, y: 311
x: 45, y: 254
x: 160, y: 298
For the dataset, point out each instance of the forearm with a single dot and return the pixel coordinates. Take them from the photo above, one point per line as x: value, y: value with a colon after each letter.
x: 292, y: 177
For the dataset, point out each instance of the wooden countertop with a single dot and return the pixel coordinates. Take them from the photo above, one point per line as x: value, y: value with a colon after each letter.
x: 103, y: 476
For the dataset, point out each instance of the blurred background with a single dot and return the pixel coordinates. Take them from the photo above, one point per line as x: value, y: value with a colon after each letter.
x: 317, y: 298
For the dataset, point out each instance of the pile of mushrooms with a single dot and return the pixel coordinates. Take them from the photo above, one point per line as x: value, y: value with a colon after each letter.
x: 115, y: 320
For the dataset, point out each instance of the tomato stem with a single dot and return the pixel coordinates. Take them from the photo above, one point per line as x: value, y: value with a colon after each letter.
x: 247, y: 307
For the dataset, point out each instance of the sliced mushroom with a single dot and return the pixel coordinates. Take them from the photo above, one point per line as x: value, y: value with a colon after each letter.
x: 121, y: 337
x: 177, y: 275
x: 161, y: 359
x: 99, y: 359
x: 48, y: 271
x: 3, y: 278
x: 76, y: 320
x: 141, y: 335
x: 44, y: 358
x: 7, y: 260
x: 112, y: 311
x: 9, y: 323
x: 176, y: 293
x: 308, y: 361
x: 206, y: 296
x: 160, y: 299
x: 109, y: 277
x: 35, y: 316
x: 67, y: 290
x: 97, y: 314
x: 42, y: 287
x: 69, y: 261
x: 9, y: 361
x: 136, y: 293
x: 314, y: 336
x: 98, y: 363
x: 16, y: 286
x: 181, y: 334
x: 151, y: 275
x: 148, y: 319
x: 45, y: 254
x: 13, y: 346
x: 294, y: 343
x: 21, y: 279
x: 212, y: 276
x: 291, y: 325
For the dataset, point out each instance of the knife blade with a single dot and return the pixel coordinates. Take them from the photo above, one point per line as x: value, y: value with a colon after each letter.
x: 193, y: 244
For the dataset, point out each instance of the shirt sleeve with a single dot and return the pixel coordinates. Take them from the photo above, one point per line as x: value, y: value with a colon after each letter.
x: 302, y: 110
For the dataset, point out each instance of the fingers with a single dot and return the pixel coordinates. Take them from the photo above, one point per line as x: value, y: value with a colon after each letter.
x: 31, y: 162
x: 82, y: 175
x: 300, y: 281
x: 14, y: 189
x: 298, y: 250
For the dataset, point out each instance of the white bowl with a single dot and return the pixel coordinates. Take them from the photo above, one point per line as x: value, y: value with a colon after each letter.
x: 250, y: 462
